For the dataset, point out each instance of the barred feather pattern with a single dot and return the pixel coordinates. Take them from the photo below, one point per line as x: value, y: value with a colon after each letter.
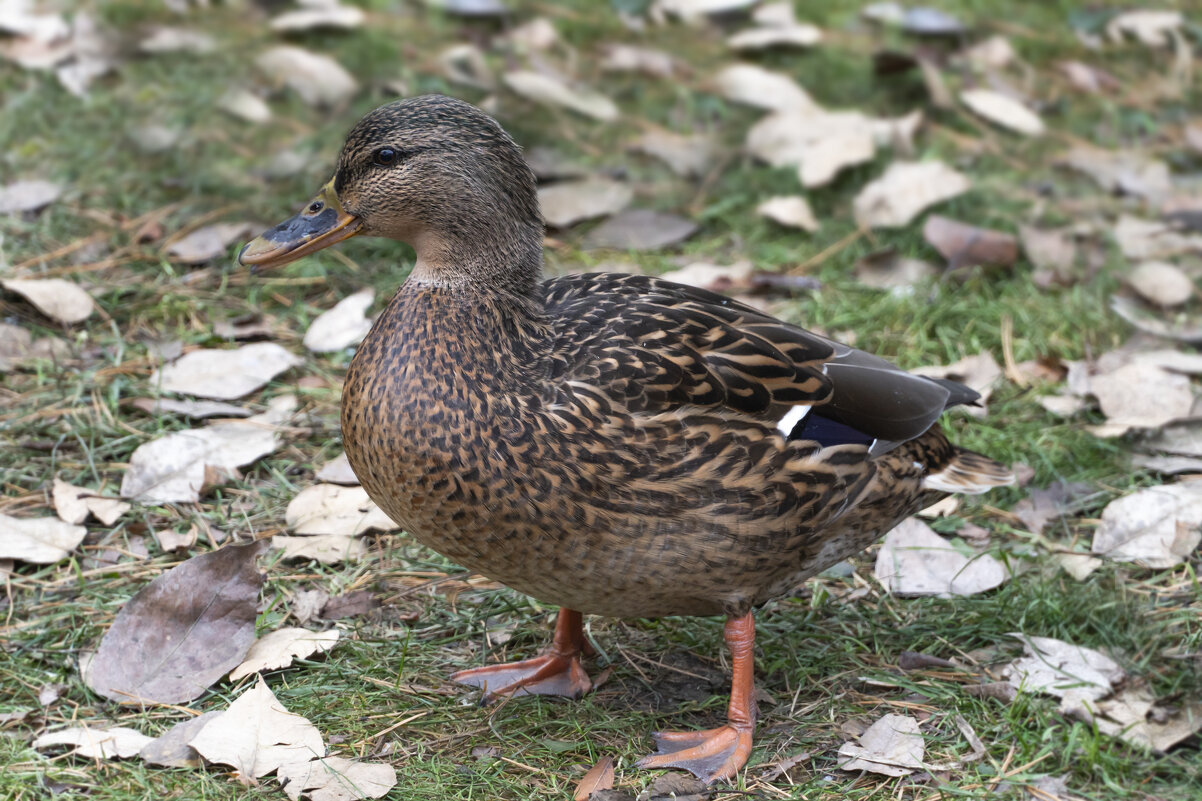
x: 613, y: 448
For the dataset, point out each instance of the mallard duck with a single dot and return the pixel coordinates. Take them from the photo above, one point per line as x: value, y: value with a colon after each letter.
x: 611, y: 444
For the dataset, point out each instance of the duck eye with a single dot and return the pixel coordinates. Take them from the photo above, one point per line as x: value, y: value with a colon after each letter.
x: 316, y: 206
x: 385, y: 156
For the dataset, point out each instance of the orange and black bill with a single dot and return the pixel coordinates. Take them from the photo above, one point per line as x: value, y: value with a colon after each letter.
x: 322, y: 223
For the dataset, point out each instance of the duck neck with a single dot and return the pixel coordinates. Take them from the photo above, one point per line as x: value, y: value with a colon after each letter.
x: 504, y: 263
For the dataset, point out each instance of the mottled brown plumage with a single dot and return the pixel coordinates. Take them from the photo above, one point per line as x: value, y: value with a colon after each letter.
x: 613, y: 444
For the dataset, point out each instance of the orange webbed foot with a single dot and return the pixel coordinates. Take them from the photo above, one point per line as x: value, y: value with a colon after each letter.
x: 711, y: 755
x: 549, y: 674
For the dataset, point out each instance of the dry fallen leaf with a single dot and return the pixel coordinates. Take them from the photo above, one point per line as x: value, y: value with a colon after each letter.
x: 1161, y: 283
x: 1003, y: 110
x: 914, y: 561
x: 886, y: 269
x: 1157, y: 527
x: 599, y: 777
x: 57, y: 298
x: 338, y: 471
x: 183, y: 631
x: 323, y: 15
x: 336, y: 779
x: 1052, y: 251
x: 640, y: 229
x: 687, y: 155
x: 554, y: 92
x: 280, y: 648
x: 171, y: 469
x: 331, y: 509
x: 791, y: 210
x: 1061, y: 669
x: 197, y: 409
x: 245, y: 105
x: 209, y: 242
x: 342, y: 326
x: 328, y: 549
x: 695, y: 10
x: 904, y: 191
x: 18, y: 347
x: 1086, y: 78
x: 224, y: 374
x: 40, y: 540
x: 1135, y: 716
x: 73, y: 504
x: 177, y: 40
x: 820, y: 143
x: 632, y: 58
x: 171, y: 749
x: 256, y: 735
x: 1140, y: 395
x: 799, y: 35
x: 756, y: 86
x: 569, y: 202
x: 27, y: 196
x: 1125, y: 171
x: 115, y: 743
x: 965, y: 245
x: 318, y: 80
x: 1150, y: 27
x: 891, y: 746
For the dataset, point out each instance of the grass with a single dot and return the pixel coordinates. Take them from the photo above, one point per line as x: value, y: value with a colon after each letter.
x: 826, y: 656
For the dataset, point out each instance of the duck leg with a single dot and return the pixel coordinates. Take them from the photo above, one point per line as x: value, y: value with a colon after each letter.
x: 716, y: 754
x: 555, y: 672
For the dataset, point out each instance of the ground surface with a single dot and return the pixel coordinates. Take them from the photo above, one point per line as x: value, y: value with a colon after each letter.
x: 826, y: 657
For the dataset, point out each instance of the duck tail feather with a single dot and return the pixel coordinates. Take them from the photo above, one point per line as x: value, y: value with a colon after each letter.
x: 969, y: 473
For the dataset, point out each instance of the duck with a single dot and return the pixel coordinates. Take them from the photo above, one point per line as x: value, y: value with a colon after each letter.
x: 610, y: 444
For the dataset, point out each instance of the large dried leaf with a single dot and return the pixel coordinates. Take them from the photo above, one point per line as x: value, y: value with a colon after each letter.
x: 799, y: 35
x: 115, y: 743
x: 177, y: 40
x: 551, y: 91
x: 887, y: 269
x: 172, y: 468
x: 905, y: 190
x: 171, y: 749
x: 257, y: 735
x: 328, y: 549
x: 189, y: 408
x: 209, y: 242
x: 73, y: 504
x: 183, y: 631
x: 224, y: 374
x: 245, y: 105
x: 1135, y: 716
x: 1157, y: 527
x: 336, y: 779
x: 756, y: 86
x: 1161, y: 283
x: 57, y: 298
x: 1150, y: 27
x: 41, y: 540
x: 280, y: 648
x: 694, y: 10
x: 1129, y: 172
x: 640, y: 229
x: 331, y: 509
x: 1061, y: 669
x: 569, y: 202
x: 1053, y: 252
x: 687, y: 155
x: 342, y: 326
x: 17, y: 347
x: 632, y: 58
x: 892, y: 746
x: 965, y: 245
x: 318, y: 80
x: 1140, y: 395
x: 25, y: 196
x: 914, y: 561
x: 1003, y: 110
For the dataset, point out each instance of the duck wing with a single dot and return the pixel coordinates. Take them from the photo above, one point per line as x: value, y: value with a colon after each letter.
x: 655, y: 346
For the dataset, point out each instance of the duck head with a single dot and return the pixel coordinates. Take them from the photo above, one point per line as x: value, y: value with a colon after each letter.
x: 431, y: 171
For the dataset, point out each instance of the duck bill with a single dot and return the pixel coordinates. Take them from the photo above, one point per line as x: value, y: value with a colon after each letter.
x: 321, y: 224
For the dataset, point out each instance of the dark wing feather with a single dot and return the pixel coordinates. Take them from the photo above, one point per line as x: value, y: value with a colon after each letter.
x: 657, y: 346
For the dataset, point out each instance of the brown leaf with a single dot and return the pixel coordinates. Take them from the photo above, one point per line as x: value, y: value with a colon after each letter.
x: 632, y: 58
x: 1161, y: 284
x: 325, y: 15
x: 1003, y: 110
x: 1053, y: 252
x: 599, y: 777
x: 1157, y: 527
x: 113, y: 743
x: 278, y: 649
x: 1127, y: 172
x: 73, y: 504
x: 1140, y: 395
x: 965, y: 245
x: 687, y: 155
x: 342, y: 326
x: 331, y: 509
x: 886, y: 269
x: 28, y: 196
x: 914, y: 561
x: 328, y: 549
x: 567, y: 203
x: 209, y: 242
x: 892, y: 746
x: 755, y: 86
x: 183, y: 631
x: 189, y: 408
x: 224, y: 374
x: 552, y: 91
x: 352, y: 604
x: 791, y: 210
x: 336, y: 778
x: 338, y: 471
x: 39, y: 540
x: 317, y: 79
x: 640, y: 229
